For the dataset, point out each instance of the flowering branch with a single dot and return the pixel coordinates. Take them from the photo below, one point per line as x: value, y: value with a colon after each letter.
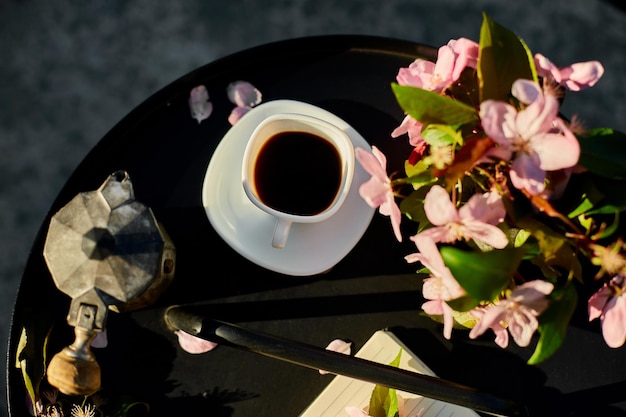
x: 514, y: 202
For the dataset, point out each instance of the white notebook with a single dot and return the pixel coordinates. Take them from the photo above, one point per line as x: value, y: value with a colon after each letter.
x: 382, y: 347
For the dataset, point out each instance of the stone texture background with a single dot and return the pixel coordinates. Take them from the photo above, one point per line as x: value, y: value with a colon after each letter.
x: 70, y: 70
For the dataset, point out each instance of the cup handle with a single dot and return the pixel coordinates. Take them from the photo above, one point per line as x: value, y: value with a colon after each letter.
x: 281, y: 233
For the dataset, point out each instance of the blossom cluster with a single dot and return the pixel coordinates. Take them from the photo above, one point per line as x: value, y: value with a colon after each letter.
x: 509, y: 198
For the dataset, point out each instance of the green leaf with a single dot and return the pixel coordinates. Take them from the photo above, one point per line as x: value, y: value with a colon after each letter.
x: 463, y: 320
x: 483, y: 275
x: 441, y: 135
x: 22, y: 364
x: 415, y: 169
x: 585, y: 206
x: 609, y: 230
x: 463, y: 304
x: 554, y: 323
x: 555, y: 250
x: 384, y: 401
x: 418, y: 175
x: 593, y: 194
x: 413, y: 207
x: 429, y: 107
x: 30, y: 356
x: 503, y: 58
x: 612, y: 201
x: 602, y: 152
x: 421, y: 180
x: 396, y: 362
x: 523, y: 239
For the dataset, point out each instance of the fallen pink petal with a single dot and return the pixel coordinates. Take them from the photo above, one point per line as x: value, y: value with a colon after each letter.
x: 199, y: 104
x: 192, y: 344
x: 339, y: 346
x: 236, y: 114
x: 243, y: 94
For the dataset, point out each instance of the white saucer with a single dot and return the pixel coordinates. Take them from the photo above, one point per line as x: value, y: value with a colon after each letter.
x: 311, y: 248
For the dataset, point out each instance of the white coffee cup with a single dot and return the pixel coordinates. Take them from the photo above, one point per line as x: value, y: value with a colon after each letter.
x: 298, y: 169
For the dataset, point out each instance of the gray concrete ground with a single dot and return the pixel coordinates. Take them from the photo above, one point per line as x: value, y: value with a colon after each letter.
x: 70, y: 70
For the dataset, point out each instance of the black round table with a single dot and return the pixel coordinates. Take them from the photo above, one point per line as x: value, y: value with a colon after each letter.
x: 166, y: 153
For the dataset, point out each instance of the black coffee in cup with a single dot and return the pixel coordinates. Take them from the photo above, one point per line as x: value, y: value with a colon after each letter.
x: 297, y: 173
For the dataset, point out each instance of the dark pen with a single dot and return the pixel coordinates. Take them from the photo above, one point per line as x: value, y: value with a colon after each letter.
x: 185, y: 319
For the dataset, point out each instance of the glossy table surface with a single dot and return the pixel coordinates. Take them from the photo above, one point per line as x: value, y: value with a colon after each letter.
x: 166, y: 153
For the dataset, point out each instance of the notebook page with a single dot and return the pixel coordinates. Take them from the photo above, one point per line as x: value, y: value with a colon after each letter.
x: 382, y: 347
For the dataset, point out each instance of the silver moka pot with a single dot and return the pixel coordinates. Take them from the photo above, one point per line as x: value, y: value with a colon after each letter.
x: 106, y: 251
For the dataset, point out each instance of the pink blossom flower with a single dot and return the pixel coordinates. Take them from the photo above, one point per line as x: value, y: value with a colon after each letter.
x: 420, y: 73
x: 474, y: 220
x: 440, y: 287
x: 502, y: 335
x: 413, y: 128
x: 199, y: 104
x: 538, y: 140
x: 436, y: 292
x: 377, y: 192
x: 575, y: 77
x: 428, y: 255
x: 519, y: 312
x: 464, y: 53
x: 452, y: 59
x: 609, y: 304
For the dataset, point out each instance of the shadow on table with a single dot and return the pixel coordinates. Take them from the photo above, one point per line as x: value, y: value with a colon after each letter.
x: 504, y: 373
x: 146, y: 368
